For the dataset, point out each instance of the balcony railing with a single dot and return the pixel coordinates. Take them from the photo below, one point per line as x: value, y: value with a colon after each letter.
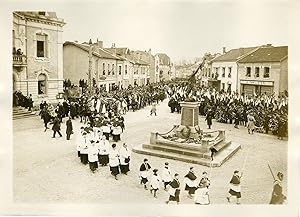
x: 19, y: 60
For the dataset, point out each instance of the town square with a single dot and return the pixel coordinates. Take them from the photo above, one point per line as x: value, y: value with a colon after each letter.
x: 153, y: 109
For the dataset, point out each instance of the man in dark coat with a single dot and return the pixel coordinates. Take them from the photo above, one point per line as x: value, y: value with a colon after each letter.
x: 56, y: 127
x: 277, y: 196
x: 209, y: 118
x: 69, y: 129
x: 174, y: 190
x: 46, y: 117
x: 190, y: 182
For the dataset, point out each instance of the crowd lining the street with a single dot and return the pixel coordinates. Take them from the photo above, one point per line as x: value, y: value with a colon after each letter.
x: 101, y: 115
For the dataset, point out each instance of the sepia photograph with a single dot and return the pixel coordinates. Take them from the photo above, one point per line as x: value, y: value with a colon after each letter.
x: 169, y: 105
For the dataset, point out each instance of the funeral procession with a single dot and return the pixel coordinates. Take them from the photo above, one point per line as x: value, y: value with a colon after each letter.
x: 99, y: 115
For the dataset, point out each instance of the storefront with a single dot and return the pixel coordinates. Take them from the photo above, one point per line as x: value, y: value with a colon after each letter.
x: 249, y: 87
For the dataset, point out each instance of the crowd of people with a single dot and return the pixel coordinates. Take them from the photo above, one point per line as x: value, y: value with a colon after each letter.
x: 24, y: 101
x: 101, y: 116
x: 269, y: 113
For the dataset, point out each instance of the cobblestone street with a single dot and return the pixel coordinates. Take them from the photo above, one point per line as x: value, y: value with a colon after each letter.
x: 47, y: 170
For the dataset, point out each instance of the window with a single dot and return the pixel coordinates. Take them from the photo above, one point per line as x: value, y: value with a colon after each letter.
x: 120, y: 70
x: 103, y: 68
x: 41, y: 45
x: 42, y: 13
x: 223, y: 72
x: 229, y: 72
x: 108, y: 69
x: 208, y: 73
x: 217, y: 72
x: 267, y: 72
x: 248, y: 72
x: 256, y: 72
x: 42, y: 82
x: 223, y: 86
x: 113, y: 69
x: 125, y: 69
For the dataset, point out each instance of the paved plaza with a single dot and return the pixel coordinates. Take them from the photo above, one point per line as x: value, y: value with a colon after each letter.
x: 47, y: 170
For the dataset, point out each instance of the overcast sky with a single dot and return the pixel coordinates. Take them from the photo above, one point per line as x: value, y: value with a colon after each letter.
x: 181, y: 29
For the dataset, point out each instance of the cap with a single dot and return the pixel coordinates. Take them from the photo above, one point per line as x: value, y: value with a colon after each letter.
x: 166, y: 163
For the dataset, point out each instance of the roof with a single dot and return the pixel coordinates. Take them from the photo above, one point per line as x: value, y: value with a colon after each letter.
x: 41, y: 16
x: 266, y: 54
x: 118, y: 50
x: 137, y: 61
x: 164, y: 59
x: 234, y: 54
x: 101, y: 53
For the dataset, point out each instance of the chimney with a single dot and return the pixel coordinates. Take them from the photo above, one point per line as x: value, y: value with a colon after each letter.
x: 269, y: 45
x: 149, y: 51
x: 224, y: 50
x: 99, y: 43
x: 76, y: 41
x: 113, y: 45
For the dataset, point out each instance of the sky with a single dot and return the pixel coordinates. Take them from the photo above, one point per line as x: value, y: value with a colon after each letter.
x: 181, y: 29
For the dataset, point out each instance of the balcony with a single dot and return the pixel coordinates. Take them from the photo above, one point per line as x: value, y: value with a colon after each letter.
x: 19, y: 60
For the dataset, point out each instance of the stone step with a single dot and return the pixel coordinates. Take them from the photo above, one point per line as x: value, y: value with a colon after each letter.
x: 219, y: 158
x: 177, y: 150
x: 23, y: 115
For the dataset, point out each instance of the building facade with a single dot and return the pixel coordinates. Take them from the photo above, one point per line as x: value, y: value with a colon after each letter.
x: 264, y: 71
x: 163, y: 67
x: 104, y: 65
x: 38, y: 55
x: 224, y: 69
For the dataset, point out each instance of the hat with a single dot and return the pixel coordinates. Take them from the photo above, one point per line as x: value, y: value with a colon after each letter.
x: 236, y: 171
x: 166, y: 163
x: 155, y: 170
x: 114, y: 145
x: 191, y: 168
x: 145, y: 159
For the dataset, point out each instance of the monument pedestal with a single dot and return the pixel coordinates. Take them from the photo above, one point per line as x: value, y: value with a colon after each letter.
x: 176, y: 144
x: 189, y: 120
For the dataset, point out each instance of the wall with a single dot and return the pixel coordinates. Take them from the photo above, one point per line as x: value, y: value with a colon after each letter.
x: 283, y: 75
x: 51, y: 66
x: 226, y: 80
x: 274, y: 74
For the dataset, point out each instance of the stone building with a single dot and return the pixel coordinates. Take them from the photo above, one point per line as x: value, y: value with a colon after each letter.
x: 264, y: 71
x: 38, y: 55
x: 163, y: 67
x: 148, y: 58
x: 104, y: 64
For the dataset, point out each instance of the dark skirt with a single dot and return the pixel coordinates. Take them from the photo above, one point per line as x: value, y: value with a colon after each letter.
x: 84, y: 158
x: 103, y: 159
x: 124, y: 168
x: 93, y: 165
x: 78, y: 153
x: 176, y: 197
x: 234, y: 193
x: 117, y: 138
x: 114, y: 170
x: 144, y: 180
x: 191, y: 190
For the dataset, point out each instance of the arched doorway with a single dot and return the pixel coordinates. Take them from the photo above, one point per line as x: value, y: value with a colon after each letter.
x: 42, y: 84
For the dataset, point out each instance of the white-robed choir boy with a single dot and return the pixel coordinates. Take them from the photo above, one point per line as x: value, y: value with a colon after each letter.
x: 166, y: 175
x: 144, y: 172
x: 154, y: 183
x: 114, y: 161
x: 125, y: 154
x: 93, y: 156
x: 103, y: 148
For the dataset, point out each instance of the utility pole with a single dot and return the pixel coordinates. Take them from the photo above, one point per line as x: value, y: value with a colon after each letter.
x: 90, y: 67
